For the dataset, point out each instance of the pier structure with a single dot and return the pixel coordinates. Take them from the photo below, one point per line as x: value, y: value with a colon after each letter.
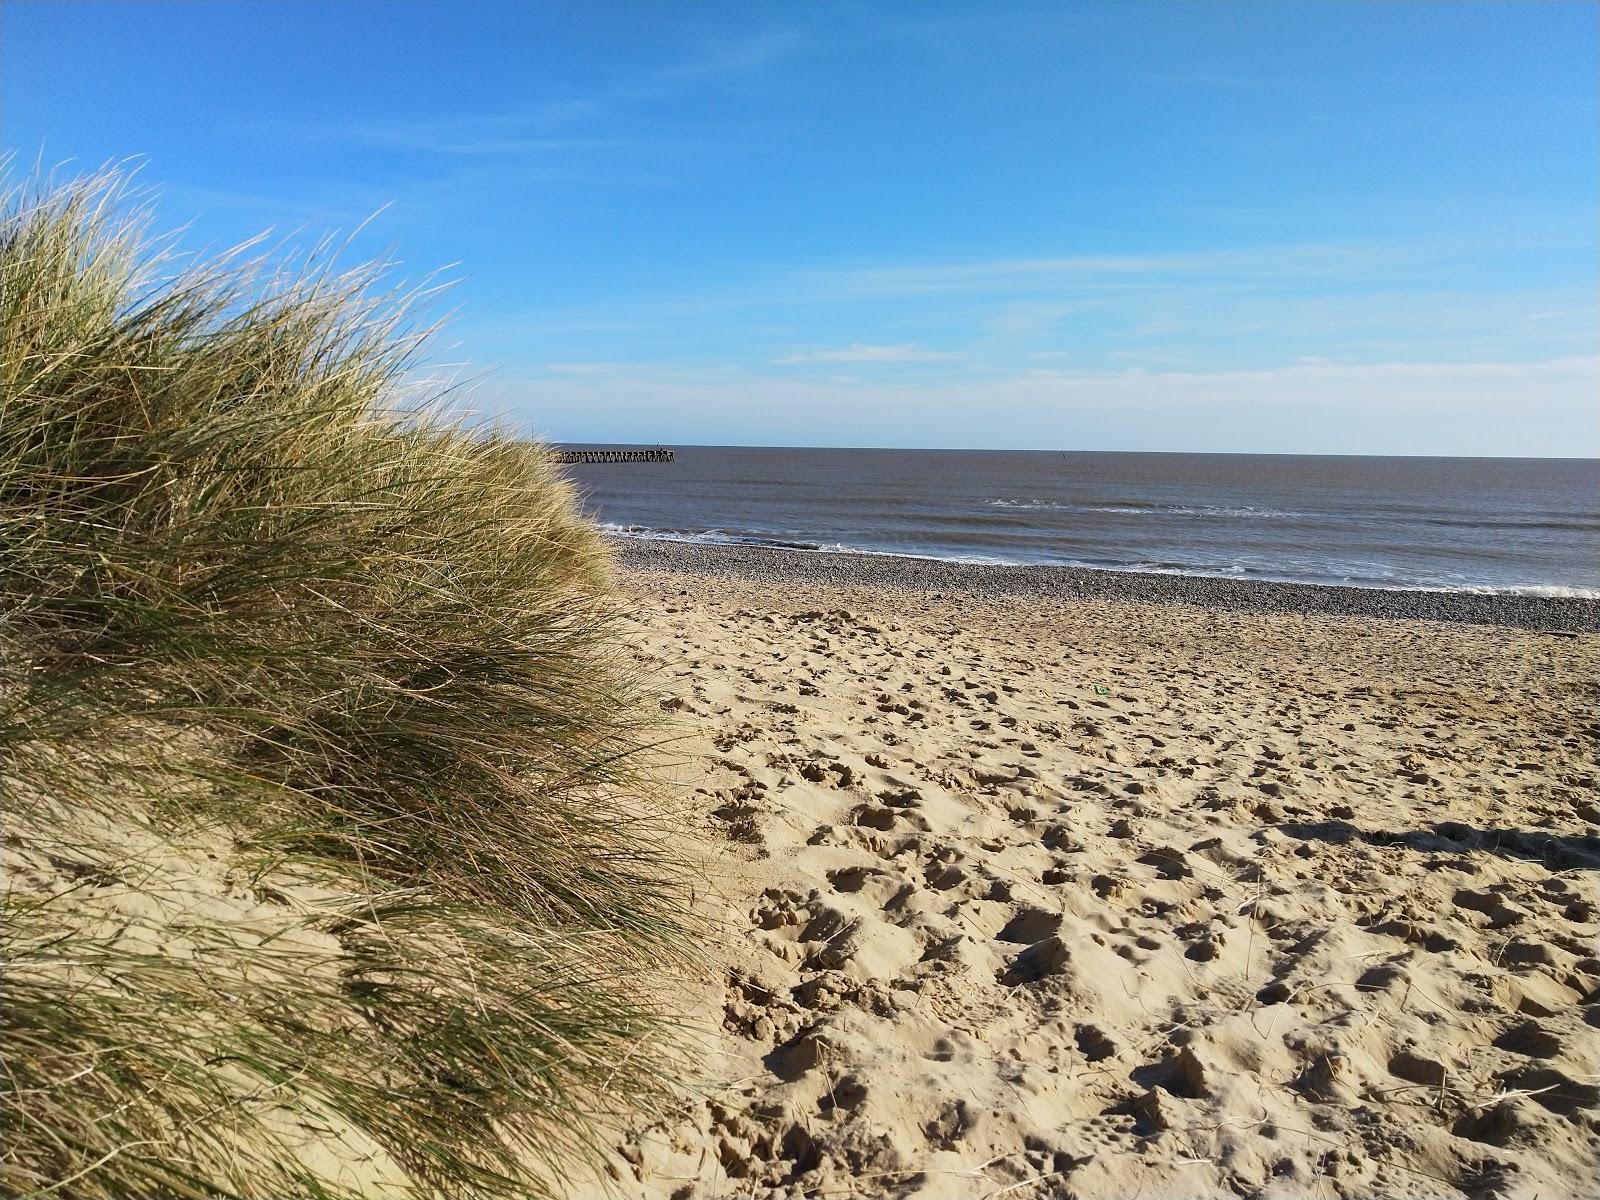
x: 613, y: 456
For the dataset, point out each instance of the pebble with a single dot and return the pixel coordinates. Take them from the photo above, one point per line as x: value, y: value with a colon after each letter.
x: 1550, y: 614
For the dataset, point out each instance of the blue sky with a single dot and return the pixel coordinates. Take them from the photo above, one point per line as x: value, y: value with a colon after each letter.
x: 1337, y: 228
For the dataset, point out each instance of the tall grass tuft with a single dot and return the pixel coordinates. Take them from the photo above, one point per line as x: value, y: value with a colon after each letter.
x: 330, y: 872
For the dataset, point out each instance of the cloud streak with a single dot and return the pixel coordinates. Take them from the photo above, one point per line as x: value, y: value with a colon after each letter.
x: 545, y: 128
x: 1534, y: 409
x: 857, y: 352
x: 1263, y: 263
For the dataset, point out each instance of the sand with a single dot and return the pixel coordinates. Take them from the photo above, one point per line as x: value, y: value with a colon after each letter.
x: 1098, y: 898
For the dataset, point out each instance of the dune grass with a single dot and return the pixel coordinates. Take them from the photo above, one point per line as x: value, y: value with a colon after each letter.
x: 330, y: 872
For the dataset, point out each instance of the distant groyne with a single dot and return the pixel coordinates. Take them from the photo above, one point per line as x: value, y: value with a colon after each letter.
x: 612, y: 456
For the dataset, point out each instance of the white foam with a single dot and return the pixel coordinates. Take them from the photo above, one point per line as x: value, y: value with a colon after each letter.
x: 1234, y: 571
x: 1151, y: 510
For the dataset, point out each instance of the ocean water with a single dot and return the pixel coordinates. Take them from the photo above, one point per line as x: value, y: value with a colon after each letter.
x: 1443, y: 523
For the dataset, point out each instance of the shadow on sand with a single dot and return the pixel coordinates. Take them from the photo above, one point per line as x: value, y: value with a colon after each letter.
x: 1559, y: 852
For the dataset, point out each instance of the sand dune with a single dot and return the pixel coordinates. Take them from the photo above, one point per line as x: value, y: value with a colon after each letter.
x: 1108, y: 899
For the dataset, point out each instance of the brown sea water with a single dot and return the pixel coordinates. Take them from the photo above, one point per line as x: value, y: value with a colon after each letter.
x: 1450, y: 523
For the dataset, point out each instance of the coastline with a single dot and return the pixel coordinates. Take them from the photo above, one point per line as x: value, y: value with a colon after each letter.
x: 759, y: 564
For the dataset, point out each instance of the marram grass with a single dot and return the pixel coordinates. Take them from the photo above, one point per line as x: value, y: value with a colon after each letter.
x: 329, y: 873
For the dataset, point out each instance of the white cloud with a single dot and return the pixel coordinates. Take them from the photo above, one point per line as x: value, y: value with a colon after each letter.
x: 858, y: 352
x: 1534, y: 409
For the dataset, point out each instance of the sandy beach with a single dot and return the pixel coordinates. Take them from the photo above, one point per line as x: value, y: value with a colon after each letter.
x: 1097, y: 897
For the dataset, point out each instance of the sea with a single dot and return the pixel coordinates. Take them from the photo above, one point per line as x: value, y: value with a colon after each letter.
x: 1468, y: 524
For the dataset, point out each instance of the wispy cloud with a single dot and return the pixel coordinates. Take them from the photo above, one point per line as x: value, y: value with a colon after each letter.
x: 466, y: 137
x: 1050, y: 273
x: 1008, y: 296
x: 601, y: 368
x: 858, y: 352
x: 1308, y: 407
x: 557, y: 124
x: 738, y: 58
x: 1202, y: 310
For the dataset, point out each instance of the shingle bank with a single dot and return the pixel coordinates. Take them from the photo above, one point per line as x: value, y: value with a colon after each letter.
x: 1553, y: 614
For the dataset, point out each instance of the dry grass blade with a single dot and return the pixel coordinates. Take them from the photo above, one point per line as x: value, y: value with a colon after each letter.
x: 330, y: 870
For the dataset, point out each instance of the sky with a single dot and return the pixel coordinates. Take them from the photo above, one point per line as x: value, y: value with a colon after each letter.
x: 1200, y: 226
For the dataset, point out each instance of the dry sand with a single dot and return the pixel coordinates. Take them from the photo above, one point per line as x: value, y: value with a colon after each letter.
x: 1108, y: 899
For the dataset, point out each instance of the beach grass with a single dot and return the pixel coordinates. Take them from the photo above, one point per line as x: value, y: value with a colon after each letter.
x: 331, y: 870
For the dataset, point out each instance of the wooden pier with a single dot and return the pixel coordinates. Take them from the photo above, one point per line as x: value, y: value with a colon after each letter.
x: 613, y: 456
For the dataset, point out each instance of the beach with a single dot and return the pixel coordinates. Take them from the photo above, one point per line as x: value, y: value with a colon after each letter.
x: 1066, y: 885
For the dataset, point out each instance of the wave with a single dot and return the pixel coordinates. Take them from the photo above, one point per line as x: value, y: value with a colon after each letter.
x: 1576, y: 524
x: 1155, y: 508
x: 714, y: 537
x: 719, y: 537
x: 1556, y: 590
x: 1554, y: 523
x: 1238, y: 571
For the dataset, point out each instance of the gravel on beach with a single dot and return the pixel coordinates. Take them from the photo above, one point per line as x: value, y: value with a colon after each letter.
x: 1551, y: 614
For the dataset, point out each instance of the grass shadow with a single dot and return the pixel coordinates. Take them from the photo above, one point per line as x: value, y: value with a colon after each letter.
x: 1557, y: 851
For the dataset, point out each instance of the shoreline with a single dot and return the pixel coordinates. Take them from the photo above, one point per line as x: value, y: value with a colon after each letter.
x: 1568, y: 615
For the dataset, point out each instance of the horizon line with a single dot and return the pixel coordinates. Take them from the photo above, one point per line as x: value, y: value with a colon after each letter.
x: 1594, y: 458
